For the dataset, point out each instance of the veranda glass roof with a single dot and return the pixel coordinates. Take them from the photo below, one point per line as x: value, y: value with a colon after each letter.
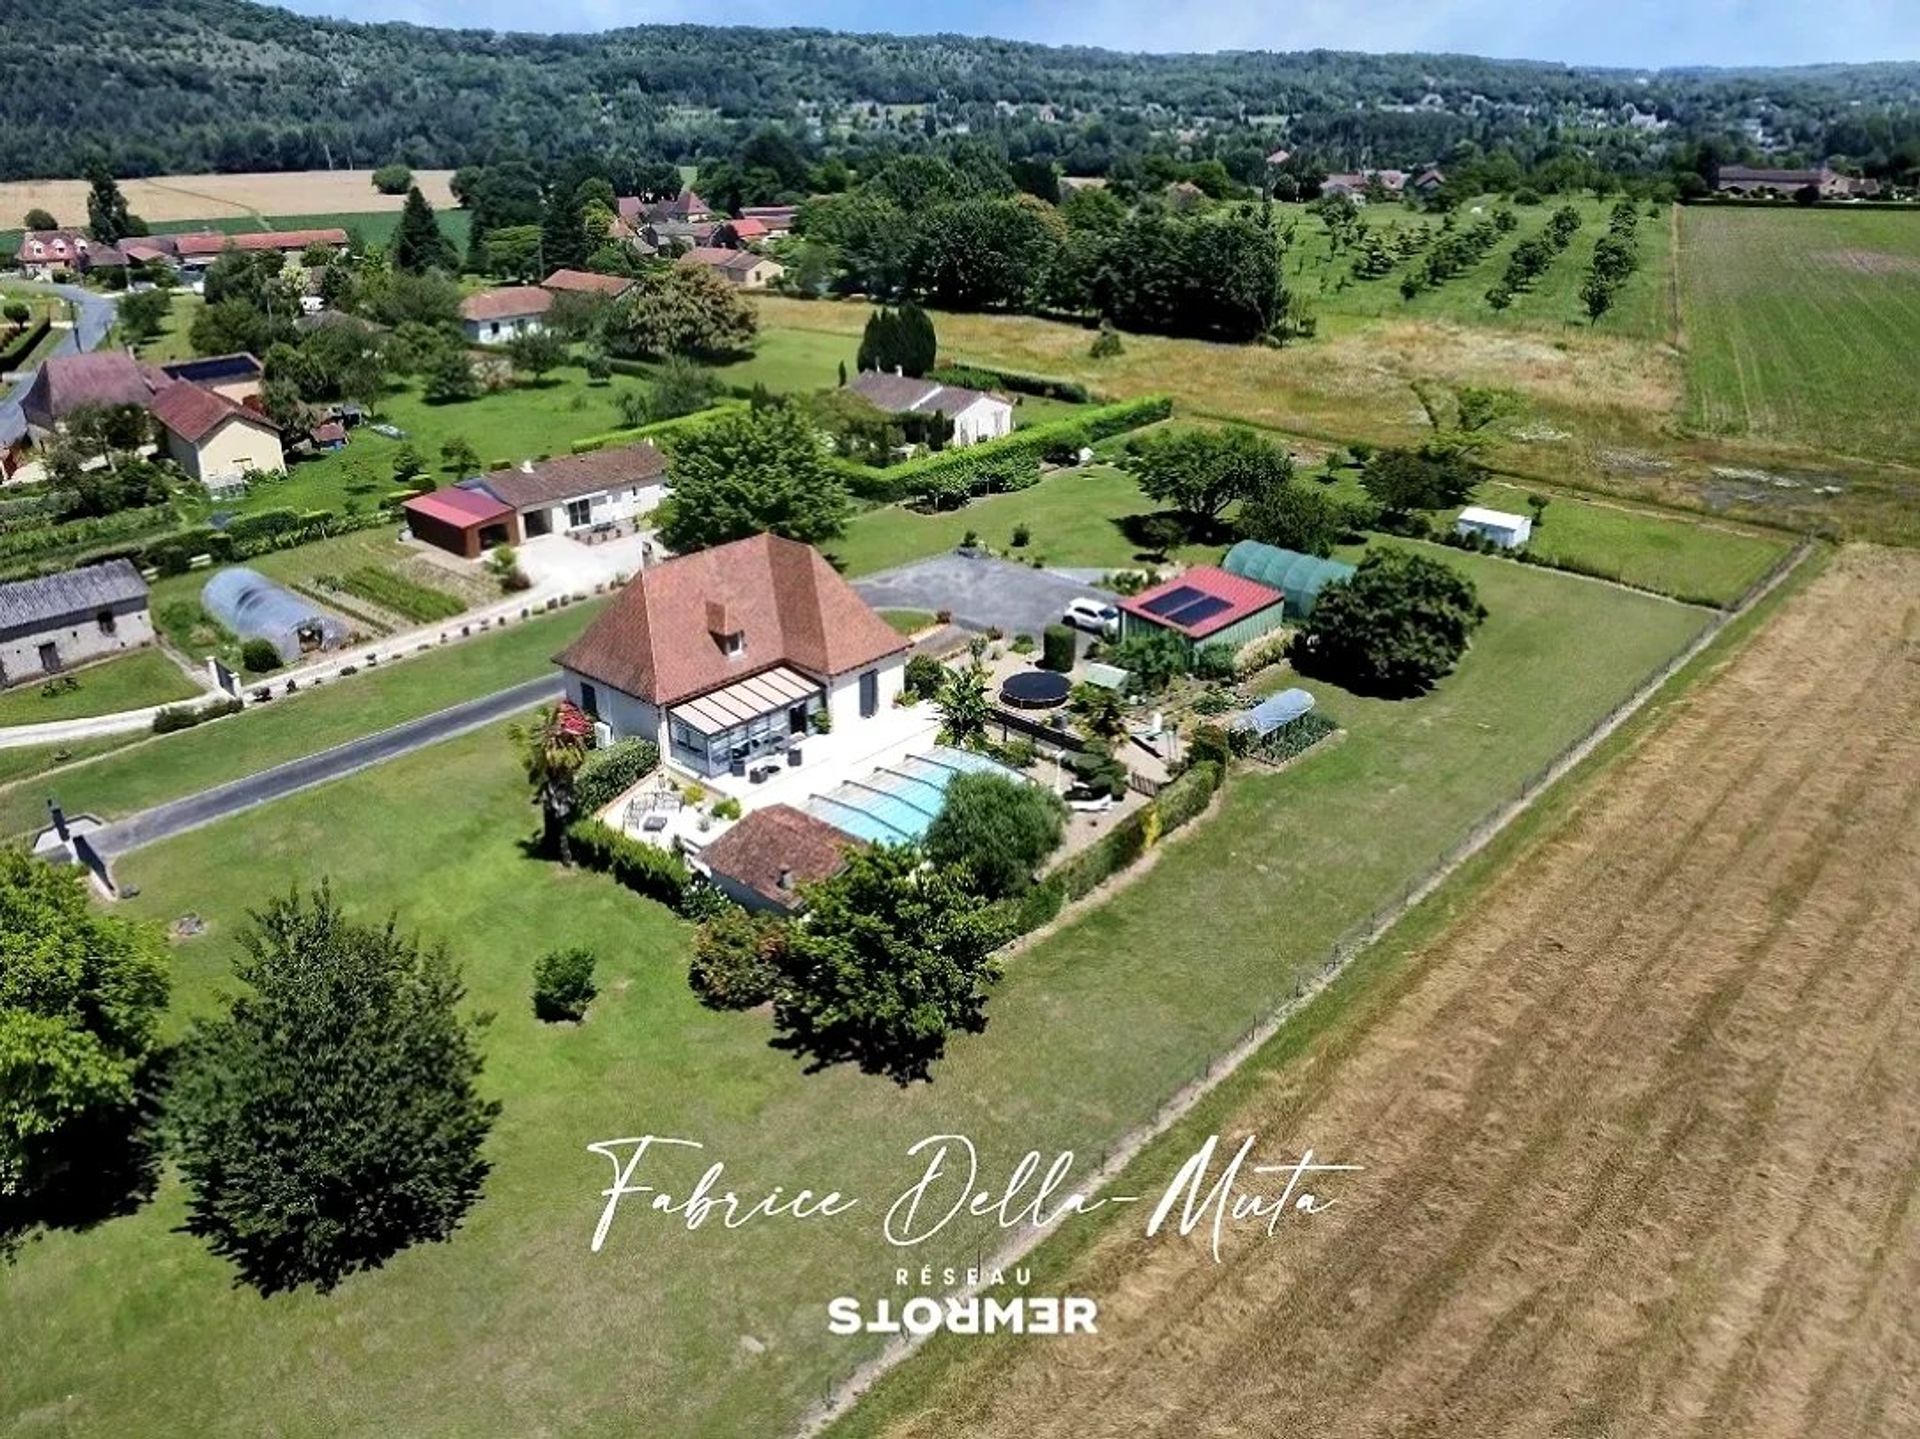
x: 745, y: 700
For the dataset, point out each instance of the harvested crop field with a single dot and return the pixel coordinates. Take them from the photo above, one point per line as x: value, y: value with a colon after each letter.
x: 214, y: 197
x: 1641, y: 1130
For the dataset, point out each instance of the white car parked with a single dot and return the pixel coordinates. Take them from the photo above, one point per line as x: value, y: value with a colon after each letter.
x: 1095, y: 615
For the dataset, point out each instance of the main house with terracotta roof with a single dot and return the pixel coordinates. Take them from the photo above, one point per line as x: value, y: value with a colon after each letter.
x: 216, y: 440
x: 492, y: 317
x: 727, y: 655
x: 742, y: 268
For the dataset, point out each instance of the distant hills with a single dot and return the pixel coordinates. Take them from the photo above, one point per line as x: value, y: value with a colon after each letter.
x: 189, y: 85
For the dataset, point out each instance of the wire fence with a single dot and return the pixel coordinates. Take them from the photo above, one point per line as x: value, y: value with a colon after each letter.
x: 841, y: 1391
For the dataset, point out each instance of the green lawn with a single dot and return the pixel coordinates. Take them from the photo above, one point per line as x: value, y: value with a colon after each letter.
x: 908, y: 622
x: 1073, y: 519
x: 790, y: 361
x: 515, y: 1326
x: 1800, y: 325
x: 29, y: 761
x: 127, y: 682
x: 172, y: 343
x: 523, y: 422
x: 1692, y: 560
x: 176, y: 765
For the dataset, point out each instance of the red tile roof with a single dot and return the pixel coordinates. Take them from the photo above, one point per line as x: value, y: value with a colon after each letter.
x: 1242, y: 597
x: 509, y: 302
x: 748, y: 228
x: 64, y: 383
x: 654, y: 640
x: 779, y: 841
x: 193, y: 413
x: 463, y: 509
x: 211, y: 242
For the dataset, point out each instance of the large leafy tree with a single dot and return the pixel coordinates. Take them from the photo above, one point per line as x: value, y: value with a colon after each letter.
x: 80, y: 1001
x: 331, y: 1117
x: 552, y: 750
x: 1201, y: 472
x: 1395, y: 628
x: 1294, y: 517
x: 753, y: 471
x: 1433, y: 477
x: 680, y: 310
x: 418, y: 244
x: 894, y: 955
x: 999, y: 829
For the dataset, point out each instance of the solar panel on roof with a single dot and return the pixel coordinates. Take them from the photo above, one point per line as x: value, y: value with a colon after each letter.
x: 1204, y: 608
x: 1173, y: 599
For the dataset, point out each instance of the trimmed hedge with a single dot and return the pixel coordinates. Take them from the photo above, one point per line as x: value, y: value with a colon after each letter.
x: 606, y: 773
x: 1182, y: 799
x: 23, y: 343
x: 973, y: 465
x: 178, y: 717
x: 643, y: 868
x: 990, y: 377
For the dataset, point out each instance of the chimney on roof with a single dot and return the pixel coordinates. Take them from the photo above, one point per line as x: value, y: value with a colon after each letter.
x: 785, y: 882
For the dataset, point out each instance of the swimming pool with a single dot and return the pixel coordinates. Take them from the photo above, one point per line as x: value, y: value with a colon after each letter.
x: 898, y: 802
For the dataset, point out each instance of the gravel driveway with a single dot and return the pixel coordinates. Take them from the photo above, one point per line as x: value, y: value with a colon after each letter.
x: 982, y: 593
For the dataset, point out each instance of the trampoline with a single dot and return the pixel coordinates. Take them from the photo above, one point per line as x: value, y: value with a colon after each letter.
x: 1035, y: 690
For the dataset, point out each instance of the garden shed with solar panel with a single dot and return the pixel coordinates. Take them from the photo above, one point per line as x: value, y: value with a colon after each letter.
x: 1205, y: 606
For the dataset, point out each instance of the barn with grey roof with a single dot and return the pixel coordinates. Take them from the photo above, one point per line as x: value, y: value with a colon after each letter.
x: 56, y: 622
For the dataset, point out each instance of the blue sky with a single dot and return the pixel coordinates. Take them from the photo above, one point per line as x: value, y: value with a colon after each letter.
x: 1607, y: 32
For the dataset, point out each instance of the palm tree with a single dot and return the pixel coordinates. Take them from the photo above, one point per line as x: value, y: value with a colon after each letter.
x: 551, y: 751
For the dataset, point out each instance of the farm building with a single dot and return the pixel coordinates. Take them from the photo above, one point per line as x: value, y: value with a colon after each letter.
x: 1299, y: 577
x: 1205, y: 606
x: 461, y: 521
x: 58, y: 621
x: 1509, y: 531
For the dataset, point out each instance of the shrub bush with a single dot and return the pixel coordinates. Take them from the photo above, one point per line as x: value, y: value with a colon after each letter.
x: 258, y: 656
x: 1058, y: 643
x: 736, y: 960
x: 924, y: 676
x: 983, y: 377
x: 563, y: 984
x: 607, y: 773
x: 179, y: 717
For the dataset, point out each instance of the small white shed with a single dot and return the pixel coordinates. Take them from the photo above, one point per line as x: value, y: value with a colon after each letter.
x: 1506, y: 530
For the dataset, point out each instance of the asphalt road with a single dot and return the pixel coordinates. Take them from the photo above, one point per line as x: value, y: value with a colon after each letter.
x: 167, y: 820
x: 91, y: 322
x: 980, y: 593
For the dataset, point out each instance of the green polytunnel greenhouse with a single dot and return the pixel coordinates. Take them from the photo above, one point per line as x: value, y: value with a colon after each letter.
x: 1299, y: 577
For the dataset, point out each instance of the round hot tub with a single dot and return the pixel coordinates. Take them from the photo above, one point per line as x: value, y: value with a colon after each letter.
x: 1035, y: 690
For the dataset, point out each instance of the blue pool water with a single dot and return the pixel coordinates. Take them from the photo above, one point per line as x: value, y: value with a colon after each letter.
x: 896, y: 804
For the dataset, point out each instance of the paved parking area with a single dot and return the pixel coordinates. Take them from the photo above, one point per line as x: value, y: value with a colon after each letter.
x: 982, y: 593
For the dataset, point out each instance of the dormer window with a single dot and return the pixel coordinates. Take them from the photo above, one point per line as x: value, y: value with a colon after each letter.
x: 733, y: 643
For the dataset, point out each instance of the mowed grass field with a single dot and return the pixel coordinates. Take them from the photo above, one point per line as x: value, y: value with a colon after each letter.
x: 126, y: 682
x: 1640, y: 1129
x: 1801, y: 326
x: 515, y: 1326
